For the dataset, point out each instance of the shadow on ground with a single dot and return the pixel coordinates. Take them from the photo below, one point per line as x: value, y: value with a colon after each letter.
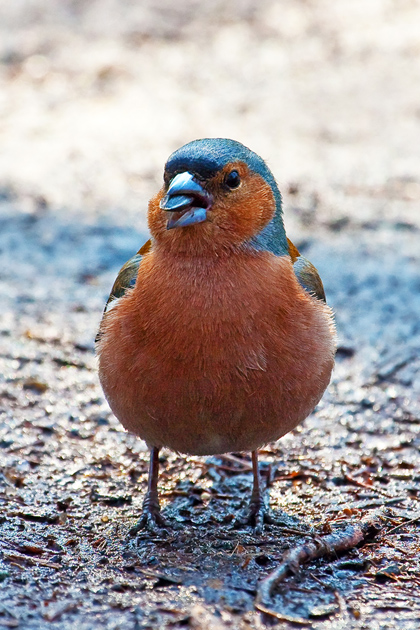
x: 72, y: 480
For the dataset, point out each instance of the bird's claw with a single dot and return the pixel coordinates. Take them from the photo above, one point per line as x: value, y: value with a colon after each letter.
x: 256, y: 514
x: 151, y: 518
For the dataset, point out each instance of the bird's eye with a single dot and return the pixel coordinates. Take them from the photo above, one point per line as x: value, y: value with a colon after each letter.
x: 233, y: 180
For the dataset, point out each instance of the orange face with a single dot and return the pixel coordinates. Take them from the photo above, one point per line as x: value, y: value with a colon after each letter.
x: 240, y: 203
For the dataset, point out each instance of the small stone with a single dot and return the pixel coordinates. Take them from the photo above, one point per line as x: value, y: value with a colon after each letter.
x: 34, y: 385
x: 323, y: 610
x: 388, y: 572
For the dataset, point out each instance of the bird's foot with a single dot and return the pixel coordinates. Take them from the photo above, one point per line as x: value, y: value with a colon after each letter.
x: 255, y: 514
x: 151, y: 518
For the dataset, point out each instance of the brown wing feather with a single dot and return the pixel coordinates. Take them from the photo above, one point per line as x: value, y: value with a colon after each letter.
x: 306, y: 273
x: 126, y: 278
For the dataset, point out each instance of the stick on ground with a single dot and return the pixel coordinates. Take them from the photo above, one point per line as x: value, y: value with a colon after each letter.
x: 340, y: 540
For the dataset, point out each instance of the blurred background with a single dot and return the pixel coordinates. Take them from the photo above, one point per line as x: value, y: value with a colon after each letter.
x: 94, y: 96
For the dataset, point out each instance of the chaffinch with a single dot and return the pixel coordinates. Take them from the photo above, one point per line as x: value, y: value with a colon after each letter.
x: 216, y: 336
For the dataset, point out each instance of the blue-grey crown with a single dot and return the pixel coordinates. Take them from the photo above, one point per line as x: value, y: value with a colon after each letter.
x: 207, y: 156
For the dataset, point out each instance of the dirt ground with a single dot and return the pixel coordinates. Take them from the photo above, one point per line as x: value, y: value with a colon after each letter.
x: 93, y: 98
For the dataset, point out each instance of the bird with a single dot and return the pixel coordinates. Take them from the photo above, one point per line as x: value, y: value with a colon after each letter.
x: 216, y: 336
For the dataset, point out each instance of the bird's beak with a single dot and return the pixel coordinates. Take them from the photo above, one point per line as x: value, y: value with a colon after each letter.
x: 186, y: 200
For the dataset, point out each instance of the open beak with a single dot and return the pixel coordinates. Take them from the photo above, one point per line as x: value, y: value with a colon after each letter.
x: 186, y: 200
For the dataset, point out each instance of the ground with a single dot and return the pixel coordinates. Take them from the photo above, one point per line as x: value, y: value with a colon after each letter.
x: 93, y: 98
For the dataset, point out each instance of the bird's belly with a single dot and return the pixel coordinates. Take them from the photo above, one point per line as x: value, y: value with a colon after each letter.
x: 230, y: 409
x: 213, y: 387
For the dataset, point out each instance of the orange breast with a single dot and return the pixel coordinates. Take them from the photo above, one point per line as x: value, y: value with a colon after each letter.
x: 213, y: 355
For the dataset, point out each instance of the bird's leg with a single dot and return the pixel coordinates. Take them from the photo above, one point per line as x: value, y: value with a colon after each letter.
x: 151, y: 516
x: 257, y: 512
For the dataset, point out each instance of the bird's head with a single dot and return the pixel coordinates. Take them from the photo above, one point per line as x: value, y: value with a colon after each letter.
x: 217, y: 195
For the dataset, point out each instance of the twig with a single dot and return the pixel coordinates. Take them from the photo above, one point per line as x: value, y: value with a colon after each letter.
x: 293, y: 531
x: 32, y: 561
x: 282, y: 617
x: 339, y: 541
x: 366, y: 486
x: 380, y: 503
x: 394, y: 529
x: 30, y: 550
x: 297, y: 474
x: 160, y: 576
x: 227, y: 457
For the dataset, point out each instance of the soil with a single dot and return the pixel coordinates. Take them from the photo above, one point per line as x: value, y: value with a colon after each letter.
x: 93, y: 98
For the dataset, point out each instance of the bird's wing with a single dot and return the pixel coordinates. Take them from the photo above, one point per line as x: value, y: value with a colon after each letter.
x: 127, y: 276
x: 126, y: 279
x: 306, y: 273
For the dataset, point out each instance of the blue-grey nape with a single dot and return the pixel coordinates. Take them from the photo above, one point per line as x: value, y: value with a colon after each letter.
x: 207, y: 156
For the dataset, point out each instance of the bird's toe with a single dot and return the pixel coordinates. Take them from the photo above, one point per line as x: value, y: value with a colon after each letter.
x: 151, y: 518
x: 256, y: 515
